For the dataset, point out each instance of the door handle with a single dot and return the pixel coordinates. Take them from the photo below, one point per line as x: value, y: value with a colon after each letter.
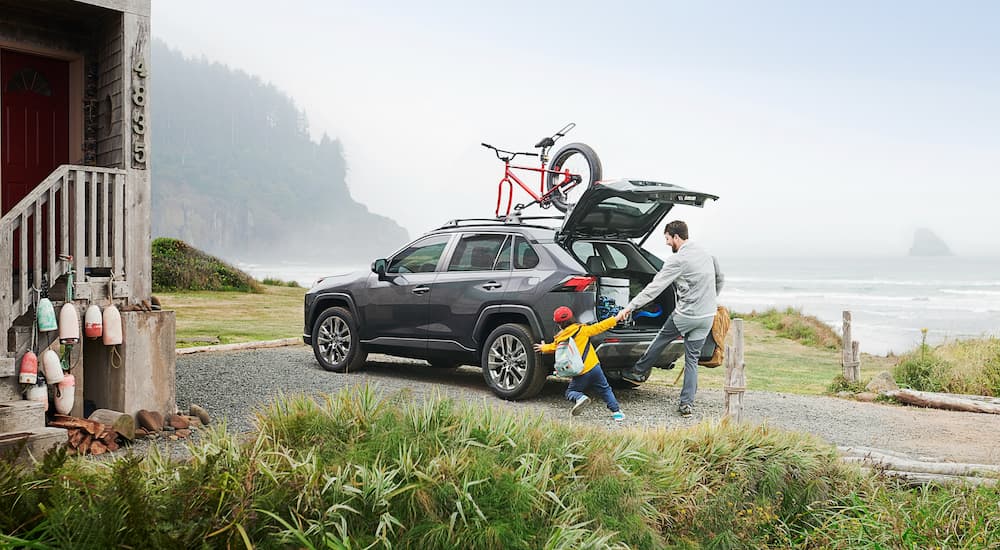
x: 421, y: 289
x: 492, y: 285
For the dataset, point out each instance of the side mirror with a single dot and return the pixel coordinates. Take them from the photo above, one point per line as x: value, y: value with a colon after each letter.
x: 378, y: 267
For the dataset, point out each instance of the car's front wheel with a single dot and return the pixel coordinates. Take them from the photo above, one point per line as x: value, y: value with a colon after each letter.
x: 336, y: 341
x: 511, y: 367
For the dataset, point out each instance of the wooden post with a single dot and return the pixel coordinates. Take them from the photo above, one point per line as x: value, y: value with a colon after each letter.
x: 735, y: 373
x: 850, y: 355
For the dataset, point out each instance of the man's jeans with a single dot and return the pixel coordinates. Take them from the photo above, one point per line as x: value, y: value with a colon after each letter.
x: 593, y: 377
x: 694, y: 332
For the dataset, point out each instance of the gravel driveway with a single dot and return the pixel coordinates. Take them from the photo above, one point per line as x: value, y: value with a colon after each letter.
x: 232, y: 385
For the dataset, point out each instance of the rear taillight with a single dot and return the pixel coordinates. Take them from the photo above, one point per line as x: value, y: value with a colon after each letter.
x: 577, y: 283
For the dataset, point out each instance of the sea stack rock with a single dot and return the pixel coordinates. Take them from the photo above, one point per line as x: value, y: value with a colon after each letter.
x: 926, y: 243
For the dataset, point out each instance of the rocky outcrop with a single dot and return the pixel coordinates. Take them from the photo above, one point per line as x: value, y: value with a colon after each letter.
x: 926, y: 243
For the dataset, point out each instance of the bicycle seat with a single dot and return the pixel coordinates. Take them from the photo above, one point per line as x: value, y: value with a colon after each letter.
x: 545, y: 142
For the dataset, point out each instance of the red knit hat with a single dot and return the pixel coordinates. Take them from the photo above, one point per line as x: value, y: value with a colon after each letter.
x: 562, y: 314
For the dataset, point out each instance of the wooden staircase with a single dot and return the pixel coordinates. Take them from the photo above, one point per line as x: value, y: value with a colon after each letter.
x: 77, y: 211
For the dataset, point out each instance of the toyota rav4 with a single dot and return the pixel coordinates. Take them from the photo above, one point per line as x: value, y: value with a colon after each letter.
x: 482, y: 292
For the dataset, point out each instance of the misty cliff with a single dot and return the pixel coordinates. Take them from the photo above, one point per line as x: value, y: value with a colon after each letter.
x: 236, y: 174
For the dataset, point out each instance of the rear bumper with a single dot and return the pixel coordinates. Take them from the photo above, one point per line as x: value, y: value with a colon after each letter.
x: 623, y: 354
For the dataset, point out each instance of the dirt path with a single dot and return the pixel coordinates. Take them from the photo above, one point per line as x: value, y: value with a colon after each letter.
x: 233, y: 385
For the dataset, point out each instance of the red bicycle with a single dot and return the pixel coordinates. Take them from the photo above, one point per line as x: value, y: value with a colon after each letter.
x: 573, y: 164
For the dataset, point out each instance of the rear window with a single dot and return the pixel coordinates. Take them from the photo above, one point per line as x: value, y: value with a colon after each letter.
x: 525, y: 257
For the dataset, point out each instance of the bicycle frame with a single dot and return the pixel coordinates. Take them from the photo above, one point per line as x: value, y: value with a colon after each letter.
x: 542, y: 198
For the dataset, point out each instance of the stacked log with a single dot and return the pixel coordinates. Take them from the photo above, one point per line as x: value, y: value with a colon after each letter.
x: 85, y: 436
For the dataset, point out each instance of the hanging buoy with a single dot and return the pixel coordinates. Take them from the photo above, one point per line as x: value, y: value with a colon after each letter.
x: 51, y: 367
x: 29, y: 368
x: 46, y: 316
x: 40, y: 393
x: 92, y: 322
x: 65, y: 391
x: 69, y: 324
x: 112, y: 326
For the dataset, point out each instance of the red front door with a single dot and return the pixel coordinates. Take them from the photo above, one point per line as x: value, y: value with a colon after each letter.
x: 34, y: 121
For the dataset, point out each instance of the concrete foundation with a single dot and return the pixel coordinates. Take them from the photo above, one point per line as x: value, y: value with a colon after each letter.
x: 137, y: 374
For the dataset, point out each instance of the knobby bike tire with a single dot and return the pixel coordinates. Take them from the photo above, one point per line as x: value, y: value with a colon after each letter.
x: 551, y: 180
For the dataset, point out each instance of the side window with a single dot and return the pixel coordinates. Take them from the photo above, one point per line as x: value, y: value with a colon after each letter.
x: 614, y: 258
x: 420, y: 257
x: 476, y: 252
x: 525, y: 257
x: 583, y: 250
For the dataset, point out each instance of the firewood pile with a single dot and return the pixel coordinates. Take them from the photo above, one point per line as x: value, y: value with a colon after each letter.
x: 86, y: 436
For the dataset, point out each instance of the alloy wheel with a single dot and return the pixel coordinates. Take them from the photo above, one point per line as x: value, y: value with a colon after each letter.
x: 334, y: 340
x: 508, y: 362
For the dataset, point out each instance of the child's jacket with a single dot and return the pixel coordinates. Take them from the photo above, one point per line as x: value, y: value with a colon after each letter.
x: 582, y: 340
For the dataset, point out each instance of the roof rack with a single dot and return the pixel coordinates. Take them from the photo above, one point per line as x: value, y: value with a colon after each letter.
x: 513, y: 219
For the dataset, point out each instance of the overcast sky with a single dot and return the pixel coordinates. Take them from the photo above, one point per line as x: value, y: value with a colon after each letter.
x: 833, y: 128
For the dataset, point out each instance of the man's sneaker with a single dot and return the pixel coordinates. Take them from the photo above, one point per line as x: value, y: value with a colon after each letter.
x: 579, y: 405
x: 631, y: 378
x: 686, y: 410
x: 617, y: 416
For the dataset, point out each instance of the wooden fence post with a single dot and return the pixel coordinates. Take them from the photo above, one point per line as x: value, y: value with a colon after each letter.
x: 851, y: 354
x: 736, y: 381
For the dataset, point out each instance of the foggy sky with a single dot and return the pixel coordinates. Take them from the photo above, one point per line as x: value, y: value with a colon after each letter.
x: 826, y: 128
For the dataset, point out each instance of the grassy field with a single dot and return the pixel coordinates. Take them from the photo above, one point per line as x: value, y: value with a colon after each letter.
x: 774, y: 363
x: 236, y: 316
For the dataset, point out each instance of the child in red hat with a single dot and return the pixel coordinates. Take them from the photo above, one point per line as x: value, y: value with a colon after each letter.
x: 592, y: 375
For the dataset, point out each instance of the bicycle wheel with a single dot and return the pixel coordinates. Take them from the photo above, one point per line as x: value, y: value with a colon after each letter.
x: 580, y: 160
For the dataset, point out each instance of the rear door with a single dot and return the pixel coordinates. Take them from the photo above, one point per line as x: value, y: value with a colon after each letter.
x: 475, y: 276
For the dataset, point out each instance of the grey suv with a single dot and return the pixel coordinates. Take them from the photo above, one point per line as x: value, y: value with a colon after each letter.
x: 481, y: 292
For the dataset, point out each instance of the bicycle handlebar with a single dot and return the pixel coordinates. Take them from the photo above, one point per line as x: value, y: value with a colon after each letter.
x: 511, y: 153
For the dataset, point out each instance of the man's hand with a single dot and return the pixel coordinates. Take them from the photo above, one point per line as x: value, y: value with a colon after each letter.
x: 623, y: 314
x: 538, y: 346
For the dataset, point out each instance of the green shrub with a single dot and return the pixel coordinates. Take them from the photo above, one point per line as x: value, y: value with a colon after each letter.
x: 179, y: 266
x: 840, y: 384
x: 272, y: 281
x: 963, y: 366
x: 794, y: 325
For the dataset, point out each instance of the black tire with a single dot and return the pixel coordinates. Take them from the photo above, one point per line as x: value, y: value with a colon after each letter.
x: 565, y: 201
x: 336, y: 341
x: 511, y: 367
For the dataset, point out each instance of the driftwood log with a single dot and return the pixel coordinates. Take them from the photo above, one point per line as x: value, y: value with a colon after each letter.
x: 122, y: 423
x: 920, y: 472
x: 943, y: 401
x: 87, y: 436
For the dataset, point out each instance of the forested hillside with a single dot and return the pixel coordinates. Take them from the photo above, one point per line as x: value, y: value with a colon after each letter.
x: 236, y: 174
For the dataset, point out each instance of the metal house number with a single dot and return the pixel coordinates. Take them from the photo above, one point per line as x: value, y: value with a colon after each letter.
x: 139, y: 115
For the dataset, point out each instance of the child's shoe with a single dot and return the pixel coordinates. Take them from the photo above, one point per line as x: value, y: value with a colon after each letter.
x: 579, y: 405
x: 617, y: 416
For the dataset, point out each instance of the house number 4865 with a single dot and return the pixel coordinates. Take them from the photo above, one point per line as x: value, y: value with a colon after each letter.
x: 139, y: 114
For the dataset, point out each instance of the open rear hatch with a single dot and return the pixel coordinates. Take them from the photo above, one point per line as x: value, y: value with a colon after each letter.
x: 614, y: 211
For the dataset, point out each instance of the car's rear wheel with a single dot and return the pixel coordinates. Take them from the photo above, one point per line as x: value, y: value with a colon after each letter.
x: 336, y: 341
x: 510, y: 365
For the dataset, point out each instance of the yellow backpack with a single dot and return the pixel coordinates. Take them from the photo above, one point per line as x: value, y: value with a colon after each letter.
x: 716, y: 340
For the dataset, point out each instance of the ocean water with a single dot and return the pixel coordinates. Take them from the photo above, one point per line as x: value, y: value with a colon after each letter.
x: 890, y: 299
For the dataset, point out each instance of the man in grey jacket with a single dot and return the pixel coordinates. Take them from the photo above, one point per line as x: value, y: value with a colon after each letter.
x: 698, y: 281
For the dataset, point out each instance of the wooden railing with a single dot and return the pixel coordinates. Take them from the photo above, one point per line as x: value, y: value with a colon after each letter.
x: 77, y: 211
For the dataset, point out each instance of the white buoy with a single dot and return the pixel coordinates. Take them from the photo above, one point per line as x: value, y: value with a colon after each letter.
x: 51, y: 367
x: 93, y: 322
x: 65, y: 394
x: 40, y: 393
x: 112, y: 326
x: 69, y: 324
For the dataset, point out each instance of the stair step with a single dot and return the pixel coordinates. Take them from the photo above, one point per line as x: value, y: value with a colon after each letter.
x: 21, y: 416
x: 30, y: 445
